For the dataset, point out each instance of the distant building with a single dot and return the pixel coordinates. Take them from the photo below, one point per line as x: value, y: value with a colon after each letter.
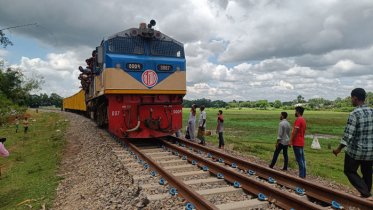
x: 301, y: 104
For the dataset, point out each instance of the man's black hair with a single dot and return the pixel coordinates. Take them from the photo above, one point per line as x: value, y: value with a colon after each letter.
x: 300, y: 110
x: 221, y: 112
x: 359, y: 93
x: 284, y: 114
x: 2, y: 140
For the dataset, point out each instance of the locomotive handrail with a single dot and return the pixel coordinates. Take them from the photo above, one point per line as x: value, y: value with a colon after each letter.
x: 135, y: 128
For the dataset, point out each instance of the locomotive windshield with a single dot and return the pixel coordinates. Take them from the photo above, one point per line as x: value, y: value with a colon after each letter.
x: 169, y: 48
x: 125, y: 43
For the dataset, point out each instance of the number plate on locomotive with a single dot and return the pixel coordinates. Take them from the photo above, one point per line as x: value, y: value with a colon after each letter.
x: 134, y: 66
x: 163, y: 67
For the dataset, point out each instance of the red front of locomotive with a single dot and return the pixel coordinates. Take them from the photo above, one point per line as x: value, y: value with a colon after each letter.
x: 144, y: 115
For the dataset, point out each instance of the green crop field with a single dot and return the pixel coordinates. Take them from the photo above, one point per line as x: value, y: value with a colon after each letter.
x: 254, y: 132
x: 30, y: 171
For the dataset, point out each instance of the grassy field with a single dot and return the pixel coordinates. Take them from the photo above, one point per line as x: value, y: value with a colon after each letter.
x: 254, y: 132
x: 30, y: 170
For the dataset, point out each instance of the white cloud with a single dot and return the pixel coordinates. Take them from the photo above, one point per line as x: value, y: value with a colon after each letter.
x: 235, y: 49
x: 59, y: 71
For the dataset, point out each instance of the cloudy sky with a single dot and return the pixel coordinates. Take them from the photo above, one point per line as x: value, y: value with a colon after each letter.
x: 236, y: 49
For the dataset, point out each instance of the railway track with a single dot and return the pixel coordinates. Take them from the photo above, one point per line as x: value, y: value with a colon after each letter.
x: 220, y: 172
x: 184, y: 167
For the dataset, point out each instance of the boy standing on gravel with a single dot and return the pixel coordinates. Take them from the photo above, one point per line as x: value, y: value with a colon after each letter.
x: 282, y: 141
x: 358, y: 140
x: 220, y: 129
x: 297, y: 140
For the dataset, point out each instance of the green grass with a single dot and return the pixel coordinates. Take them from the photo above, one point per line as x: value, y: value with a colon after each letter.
x: 254, y: 132
x: 30, y: 170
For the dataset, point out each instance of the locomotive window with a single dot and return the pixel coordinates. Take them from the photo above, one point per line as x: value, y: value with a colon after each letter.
x: 166, y: 48
x: 127, y: 45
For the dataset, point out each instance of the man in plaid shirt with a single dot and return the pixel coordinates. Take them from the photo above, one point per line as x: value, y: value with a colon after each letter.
x: 358, y: 140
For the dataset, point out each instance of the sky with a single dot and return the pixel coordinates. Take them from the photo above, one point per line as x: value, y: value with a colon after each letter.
x: 242, y: 50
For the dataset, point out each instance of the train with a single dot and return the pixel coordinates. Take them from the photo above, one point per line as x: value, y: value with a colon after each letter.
x: 139, y: 84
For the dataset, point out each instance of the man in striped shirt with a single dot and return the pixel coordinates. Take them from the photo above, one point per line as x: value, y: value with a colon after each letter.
x: 358, y: 140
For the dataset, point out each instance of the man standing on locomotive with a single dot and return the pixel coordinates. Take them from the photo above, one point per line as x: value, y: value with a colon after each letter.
x: 358, y: 140
x: 192, y: 123
x: 282, y: 141
x: 297, y: 140
x: 202, y: 125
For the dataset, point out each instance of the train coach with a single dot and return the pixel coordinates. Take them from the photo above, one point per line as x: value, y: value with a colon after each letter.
x: 139, y: 84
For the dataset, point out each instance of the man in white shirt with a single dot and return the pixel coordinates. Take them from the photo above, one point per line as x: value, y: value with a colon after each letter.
x: 202, y: 125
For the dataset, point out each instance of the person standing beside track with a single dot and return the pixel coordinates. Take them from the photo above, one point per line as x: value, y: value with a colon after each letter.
x: 297, y: 140
x: 192, y: 123
x: 220, y: 129
x: 358, y: 140
x: 202, y: 125
x: 3, y: 151
x: 17, y: 123
x: 282, y: 141
x: 25, y: 124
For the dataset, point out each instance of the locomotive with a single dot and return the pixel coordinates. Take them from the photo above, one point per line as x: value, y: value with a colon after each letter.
x: 139, y: 84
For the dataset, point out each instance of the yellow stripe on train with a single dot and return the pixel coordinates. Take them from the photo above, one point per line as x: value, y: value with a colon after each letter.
x: 183, y: 92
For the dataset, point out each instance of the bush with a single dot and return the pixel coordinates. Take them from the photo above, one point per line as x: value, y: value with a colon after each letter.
x: 239, y: 108
x: 344, y: 109
x: 288, y: 108
x: 227, y: 107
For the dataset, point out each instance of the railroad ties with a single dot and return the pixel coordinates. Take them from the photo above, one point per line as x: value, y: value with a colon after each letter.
x: 203, y: 176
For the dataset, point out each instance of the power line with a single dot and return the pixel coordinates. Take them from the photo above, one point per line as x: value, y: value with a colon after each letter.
x: 33, y: 24
x: 30, y: 24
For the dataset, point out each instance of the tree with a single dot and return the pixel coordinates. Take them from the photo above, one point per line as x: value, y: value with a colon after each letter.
x: 287, y: 103
x: 277, y: 104
x: 4, y: 41
x: 262, y: 104
x: 16, y: 86
x: 300, y: 99
x: 56, y: 100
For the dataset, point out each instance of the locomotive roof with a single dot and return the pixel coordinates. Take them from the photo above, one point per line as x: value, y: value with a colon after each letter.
x: 127, y: 33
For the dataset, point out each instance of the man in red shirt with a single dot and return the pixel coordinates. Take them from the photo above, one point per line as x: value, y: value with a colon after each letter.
x: 297, y: 140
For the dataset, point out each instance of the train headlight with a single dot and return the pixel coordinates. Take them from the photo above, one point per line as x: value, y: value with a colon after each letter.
x: 118, y: 65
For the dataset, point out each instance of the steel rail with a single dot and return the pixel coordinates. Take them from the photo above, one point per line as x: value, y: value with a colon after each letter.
x: 281, y: 198
x: 313, y: 190
x: 184, y: 190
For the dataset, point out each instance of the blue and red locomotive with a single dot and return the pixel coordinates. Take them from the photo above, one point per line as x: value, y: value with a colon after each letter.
x: 139, y: 83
